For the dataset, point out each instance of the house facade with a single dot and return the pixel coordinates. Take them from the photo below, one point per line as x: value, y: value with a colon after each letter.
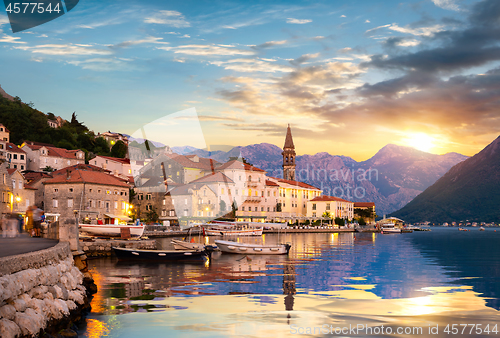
x: 15, y: 156
x: 94, y: 195
x: 41, y: 156
x: 23, y: 195
x: 334, y: 206
x: 117, y: 166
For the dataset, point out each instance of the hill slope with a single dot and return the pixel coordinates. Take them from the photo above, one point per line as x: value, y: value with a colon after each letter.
x: 468, y: 191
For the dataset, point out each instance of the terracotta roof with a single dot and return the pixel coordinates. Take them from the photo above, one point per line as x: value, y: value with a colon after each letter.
x: 13, y: 148
x: 364, y: 204
x: 235, y: 164
x: 1, y: 124
x: 186, y: 161
x: 56, y: 152
x: 272, y: 184
x: 329, y: 199
x: 11, y: 171
x: 297, y: 183
x: 289, y: 139
x: 27, y: 186
x: 115, y: 159
x: 87, y: 176
x: 36, y: 175
x: 217, y: 177
x: 80, y: 166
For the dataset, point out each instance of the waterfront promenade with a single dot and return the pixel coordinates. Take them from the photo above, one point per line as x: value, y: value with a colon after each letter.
x: 23, y: 244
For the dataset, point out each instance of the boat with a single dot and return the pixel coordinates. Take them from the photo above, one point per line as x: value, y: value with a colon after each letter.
x: 252, y: 249
x: 231, y: 229
x: 389, y: 228
x: 160, y: 255
x: 481, y: 229
x: 111, y: 230
x: 462, y: 229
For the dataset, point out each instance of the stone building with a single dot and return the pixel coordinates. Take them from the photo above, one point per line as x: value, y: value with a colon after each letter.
x: 34, y: 180
x: 23, y: 195
x: 92, y: 194
x: 6, y: 202
x: 365, y: 210
x: 335, y: 206
x: 15, y: 156
x: 117, y: 166
x: 40, y: 156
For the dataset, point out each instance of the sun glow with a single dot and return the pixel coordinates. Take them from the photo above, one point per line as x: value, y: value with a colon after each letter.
x: 420, y: 141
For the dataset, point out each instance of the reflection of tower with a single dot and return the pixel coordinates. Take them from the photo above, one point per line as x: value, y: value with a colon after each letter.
x: 288, y: 156
x: 289, y: 285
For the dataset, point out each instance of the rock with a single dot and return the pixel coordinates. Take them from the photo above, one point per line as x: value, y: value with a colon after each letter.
x: 67, y: 333
x: 71, y: 305
x: 49, y: 295
x: 26, y: 323
x: 61, y: 306
x: 37, y: 305
x: 9, y: 329
x: 37, y: 293
x: 7, y: 311
x: 58, y: 290
x: 76, y: 296
x: 19, y: 304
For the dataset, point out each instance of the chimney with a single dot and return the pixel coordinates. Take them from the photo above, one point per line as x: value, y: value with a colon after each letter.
x: 67, y: 174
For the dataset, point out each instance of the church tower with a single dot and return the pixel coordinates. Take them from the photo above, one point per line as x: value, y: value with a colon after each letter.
x: 288, y: 156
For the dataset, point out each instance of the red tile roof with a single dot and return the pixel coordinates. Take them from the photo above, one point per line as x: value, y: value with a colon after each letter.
x: 297, y: 183
x: 186, y: 162
x: 87, y: 176
x: 324, y: 198
x: 11, y: 171
x: 11, y: 147
x: 80, y: 166
x: 364, y: 204
x: 36, y: 175
x: 235, y: 164
x: 217, y: 177
x: 56, y: 152
x: 115, y: 159
x: 271, y: 183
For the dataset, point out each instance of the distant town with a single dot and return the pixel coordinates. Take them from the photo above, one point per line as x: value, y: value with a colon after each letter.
x: 161, y: 187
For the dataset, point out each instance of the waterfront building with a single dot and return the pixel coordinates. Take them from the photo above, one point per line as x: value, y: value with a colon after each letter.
x: 334, y: 206
x: 34, y: 180
x: 365, y: 210
x: 40, y: 156
x: 15, y: 156
x: 23, y: 195
x: 4, y: 139
x: 5, y: 189
x: 92, y: 194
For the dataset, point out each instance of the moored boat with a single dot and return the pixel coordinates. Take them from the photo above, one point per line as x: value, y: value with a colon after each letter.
x: 111, y: 230
x: 231, y: 229
x: 160, y: 255
x: 252, y: 249
x: 389, y: 228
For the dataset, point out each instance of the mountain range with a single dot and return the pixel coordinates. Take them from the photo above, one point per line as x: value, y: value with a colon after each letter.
x: 469, y: 191
x: 391, y: 178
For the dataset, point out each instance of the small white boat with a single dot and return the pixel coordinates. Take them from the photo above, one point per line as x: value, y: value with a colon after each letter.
x: 183, y: 245
x: 252, y: 249
x: 111, y: 230
x: 231, y: 229
x: 481, y: 229
x: 462, y: 229
x: 389, y: 228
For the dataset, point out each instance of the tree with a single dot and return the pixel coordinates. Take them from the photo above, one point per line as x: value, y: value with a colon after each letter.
x: 119, y: 150
x: 339, y: 221
x: 48, y: 169
x: 152, y: 216
x: 222, y: 206
x: 361, y: 221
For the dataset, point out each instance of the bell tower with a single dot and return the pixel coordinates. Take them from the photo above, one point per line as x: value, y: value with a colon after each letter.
x: 288, y: 156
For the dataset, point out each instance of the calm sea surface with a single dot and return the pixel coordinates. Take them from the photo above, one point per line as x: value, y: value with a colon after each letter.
x: 349, y: 285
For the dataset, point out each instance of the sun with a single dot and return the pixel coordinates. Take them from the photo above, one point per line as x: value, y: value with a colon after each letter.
x: 420, y: 141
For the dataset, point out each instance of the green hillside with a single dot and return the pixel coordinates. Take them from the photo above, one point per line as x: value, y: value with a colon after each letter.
x: 26, y: 123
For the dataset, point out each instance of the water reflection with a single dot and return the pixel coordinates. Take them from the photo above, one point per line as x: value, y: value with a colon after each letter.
x: 334, y: 279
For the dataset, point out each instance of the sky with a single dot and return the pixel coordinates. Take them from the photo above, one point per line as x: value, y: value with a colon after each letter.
x: 348, y: 76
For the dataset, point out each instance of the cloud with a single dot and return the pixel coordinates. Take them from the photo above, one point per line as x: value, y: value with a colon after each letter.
x: 252, y: 65
x: 102, y: 64
x: 67, y: 49
x: 11, y: 39
x: 343, y: 16
x: 209, y: 118
x: 208, y: 50
x: 298, y: 21
x: 269, y: 44
x: 169, y: 18
x: 149, y: 39
x: 367, y: 21
x: 447, y: 4
x: 377, y: 28
x: 422, y: 31
x: 304, y: 58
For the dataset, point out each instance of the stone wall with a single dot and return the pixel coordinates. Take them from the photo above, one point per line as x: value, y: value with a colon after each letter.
x: 38, y: 289
x: 102, y: 247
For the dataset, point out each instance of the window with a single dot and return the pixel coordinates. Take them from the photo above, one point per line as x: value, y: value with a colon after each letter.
x: 98, y: 204
x: 90, y: 190
x: 69, y: 162
x: 261, y: 208
x: 15, y: 166
x: 172, y: 212
x: 56, y: 190
x: 164, y: 202
x: 256, y: 208
x: 99, y: 191
x: 327, y: 206
x: 242, y: 208
x: 314, y: 206
x: 108, y: 192
x: 70, y: 189
x: 148, y: 197
x: 164, y: 212
x: 54, y: 203
x: 222, y: 191
x: 186, y: 211
x: 15, y: 156
x: 314, y: 214
x: 249, y: 178
x: 22, y: 167
x: 267, y: 208
x: 13, y: 184
x: 200, y: 213
x: 185, y: 202
x: 268, y: 193
x: 70, y: 203
x: 116, y: 204
x: 123, y: 205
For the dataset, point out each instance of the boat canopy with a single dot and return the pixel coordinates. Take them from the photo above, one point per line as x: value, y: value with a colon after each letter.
x: 123, y: 218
